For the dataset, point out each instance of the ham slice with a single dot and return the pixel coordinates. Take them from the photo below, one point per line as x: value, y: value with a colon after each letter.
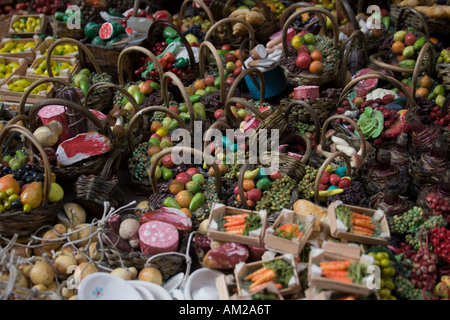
x: 158, y: 237
x: 57, y: 113
x: 175, y: 217
x: 81, y: 147
x: 100, y: 116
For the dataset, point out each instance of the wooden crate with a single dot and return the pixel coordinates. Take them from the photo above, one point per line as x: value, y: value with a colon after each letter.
x: 349, y: 236
x: 282, y: 245
x: 11, y: 96
x: 27, y: 54
x: 65, y: 74
x: 335, y: 252
x: 219, y: 210
x: 20, y: 71
x: 41, y: 49
x: 38, y: 31
x: 240, y: 271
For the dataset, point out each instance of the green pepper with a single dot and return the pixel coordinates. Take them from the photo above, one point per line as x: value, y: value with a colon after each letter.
x: 418, y: 44
x: 173, y: 125
x: 169, y: 33
x: 183, y: 108
x: 181, y: 63
x: 386, y: 22
x: 171, y: 203
x: 195, y: 97
x: 185, y: 116
x: 197, y: 201
x: 166, y: 173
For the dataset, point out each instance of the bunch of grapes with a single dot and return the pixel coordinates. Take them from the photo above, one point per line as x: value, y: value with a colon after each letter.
x: 402, y: 224
x: 306, y: 185
x: 353, y: 195
x: 440, y: 238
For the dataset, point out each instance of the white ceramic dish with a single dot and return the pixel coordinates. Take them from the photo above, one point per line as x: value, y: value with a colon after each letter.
x: 144, y: 292
x: 174, y: 282
x: 106, y: 286
x: 158, y: 292
x: 201, y: 285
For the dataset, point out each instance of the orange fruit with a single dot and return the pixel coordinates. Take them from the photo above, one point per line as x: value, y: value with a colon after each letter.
x: 7, y: 182
x: 186, y: 212
x: 238, y: 54
x: 184, y: 198
x: 238, y: 63
x: 223, y: 168
x: 199, y: 85
x: 176, y: 186
x: 434, y: 40
x: 398, y: 47
x: 248, y: 184
x: 238, y: 197
x: 153, y: 150
x: 426, y: 82
x: 146, y: 88
x: 315, y: 67
x: 423, y: 92
x: 401, y: 58
x: 190, y: 91
x: 316, y: 55
x: 155, y: 126
x: 251, y: 203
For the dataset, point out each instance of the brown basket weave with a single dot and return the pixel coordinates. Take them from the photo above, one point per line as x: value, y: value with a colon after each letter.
x: 100, y: 99
x: 201, y: 4
x: 267, y: 28
x: 156, y: 29
x: 91, y: 165
x: 91, y: 191
x: 346, y: 74
x: 226, y: 36
x: 329, y: 73
x: 60, y: 30
x: 443, y: 72
x: 21, y: 223
x: 323, y: 108
x: 143, y: 187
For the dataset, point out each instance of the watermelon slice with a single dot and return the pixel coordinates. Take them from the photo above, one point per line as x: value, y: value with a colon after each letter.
x: 106, y: 31
x: 366, y: 84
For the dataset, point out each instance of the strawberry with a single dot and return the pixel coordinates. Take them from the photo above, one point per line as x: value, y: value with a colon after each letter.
x: 344, y: 183
x: 325, y: 179
x: 334, y: 179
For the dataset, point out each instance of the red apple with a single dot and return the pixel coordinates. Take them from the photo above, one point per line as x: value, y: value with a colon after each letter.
x: 237, y: 71
x: 384, y: 12
x: 166, y: 138
x: 344, y: 183
x: 212, y: 147
x: 229, y: 81
x: 301, y: 33
x: 323, y: 187
x: 167, y: 161
x: 254, y: 195
x: 303, y: 48
x: 230, y: 57
x: 334, y: 179
x: 303, y: 61
x: 410, y: 39
x: 209, y: 81
x: 192, y: 171
x: 236, y: 190
x: 174, y: 109
x: 243, y: 147
x: 226, y: 47
x: 183, y: 177
x: 275, y: 175
x: 219, y: 113
x: 162, y: 15
x: 325, y: 179
x: 155, y: 135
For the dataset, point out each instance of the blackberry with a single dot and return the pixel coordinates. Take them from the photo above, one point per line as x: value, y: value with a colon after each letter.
x: 353, y: 195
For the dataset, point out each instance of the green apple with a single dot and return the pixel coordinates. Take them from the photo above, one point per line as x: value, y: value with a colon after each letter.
x: 166, y: 143
x: 56, y: 193
x: 131, y: 89
x: 230, y: 66
x: 139, y: 97
x: 242, y: 113
x: 128, y: 106
x: 440, y: 100
x: 199, y: 178
x: 200, y: 92
x: 194, y: 187
x: 439, y: 90
x: 191, y: 38
x: 140, y: 84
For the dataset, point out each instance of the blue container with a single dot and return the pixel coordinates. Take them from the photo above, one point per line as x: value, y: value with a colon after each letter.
x: 275, y: 83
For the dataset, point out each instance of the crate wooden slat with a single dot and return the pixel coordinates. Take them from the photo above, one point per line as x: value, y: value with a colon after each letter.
x: 11, y: 96
x: 20, y: 71
x: 39, y: 30
x: 28, y: 54
x: 67, y: 75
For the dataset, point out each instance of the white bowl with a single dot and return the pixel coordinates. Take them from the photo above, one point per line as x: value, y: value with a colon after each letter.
x: 144, y: 292
x: 174, y: 282
x: 201, y: 285
x: 158, y: 292
x: 106, y: 286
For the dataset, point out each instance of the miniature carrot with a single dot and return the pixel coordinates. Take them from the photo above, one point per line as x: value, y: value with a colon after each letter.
x: 231, y: 217
x: 257, y: 272
x: 349, y: 297
x: 235, y: 222
x: 263, y: 285
x: 266, y: 276
x: 363, y: 231
x: 357, y: 215
x: 335, y: 265
x: 236, y: 227
x: 237, y: 231
x: 363, y: 223
x: 335, y: 273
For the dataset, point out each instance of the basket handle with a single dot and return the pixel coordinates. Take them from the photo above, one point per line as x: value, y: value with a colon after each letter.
x: 305, y: 138
x: 187, y: 45
x: 143, y: 50
x: 47, y: 167
x: 111, y: 165
x: 324, y: 165
x: 106, y: 85
x: 357, y: 35
x: 298, y: 13
x: 229, y: 21
x: 146, y: 110
x: 34, y: 85
x: 81, y: 46
x: 204, y: 46
x: 192, y: 151
x: 260, y: 4
x: 377, y: 75
x: 348, y: 12
x: 446, y: 105
x: 67, y: 103
x: 404, y: 10
x: 354, y: 125
x: 229, y: 117
x: 201, y: 4
x: 291, y: 9
x: 208, y: 133
x: 427, y: 47
x: 241, y: 57
x: 136, y: 5
x: 311, y: 111
x: 241, y: 76
x: 179, y: 84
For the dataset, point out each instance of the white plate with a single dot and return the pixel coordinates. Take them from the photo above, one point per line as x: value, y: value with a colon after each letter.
x: 174, y: 282
x: 201, y: 285
x: 106, y: 286
x: 158, y: 292
x: 144, y: 292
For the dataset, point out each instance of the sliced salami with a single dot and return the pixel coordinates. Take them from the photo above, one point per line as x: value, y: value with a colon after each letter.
x: 158, y: 237
x: 226, y: 256
x: 58, y: 113
x: 175, y: 217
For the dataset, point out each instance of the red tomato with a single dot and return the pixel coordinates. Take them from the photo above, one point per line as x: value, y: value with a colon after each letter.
x: 169, y: 57
x: 163, y: 63
x: 191, y: 171
x: 219, y: 113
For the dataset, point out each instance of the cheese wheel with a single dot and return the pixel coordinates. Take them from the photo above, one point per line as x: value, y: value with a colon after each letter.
x: 158, y: 237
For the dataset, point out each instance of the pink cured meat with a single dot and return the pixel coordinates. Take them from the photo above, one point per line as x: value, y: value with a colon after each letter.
x: 306, y: 92
x: 175, y: 217
x: 229, y: 254
x: 82, y: 146
x: 57, y: 113
x: 158, y: 237
x: 100, y: 116
x: 251, y: 124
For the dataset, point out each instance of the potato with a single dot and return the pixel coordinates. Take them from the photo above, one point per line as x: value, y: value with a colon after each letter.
x: 122, y: 273
x: 203, y: 227
x: 67, y: 293
x: 42, y: 273
x: 82, y: 235
x: 52, y: 245
x: 84, y: 269
x: 93, y: 252
x: 63, y: 262
x: 25, y: 269
x: 150, y: 274
x: 128, y: 228
x: 75, y: 213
